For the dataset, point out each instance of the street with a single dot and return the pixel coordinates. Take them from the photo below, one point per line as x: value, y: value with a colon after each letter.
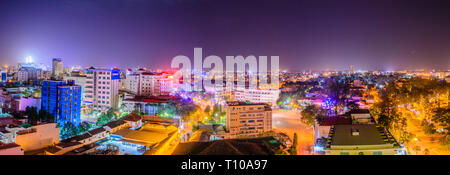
x: 289, y: 122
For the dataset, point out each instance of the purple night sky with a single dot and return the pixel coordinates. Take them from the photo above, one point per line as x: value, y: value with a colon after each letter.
x: 314, y: 34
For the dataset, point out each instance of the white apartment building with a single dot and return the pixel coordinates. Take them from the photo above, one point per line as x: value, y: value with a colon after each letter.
x: 269, y: 96
x: 79, y: 80
x: 248, y: 119
x: 148, y: 84
x: 27, y: 73
x: 258, y: 95
x: 131, y: 83
x: 102, y: 89
x: 22, y: 76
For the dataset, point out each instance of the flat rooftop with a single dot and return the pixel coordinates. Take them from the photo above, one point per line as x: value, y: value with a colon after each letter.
x: 148, y: 135
x: 254, y: 146
x: 368, y: 135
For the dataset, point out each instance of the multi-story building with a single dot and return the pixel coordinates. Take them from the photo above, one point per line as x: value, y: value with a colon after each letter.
x: 57, y: 67
x: 26, y: 74
x: 149, y: 84
x: 131, y: 83
x: 80, y: 80
x: 43, y: 75
x: 63, y: 100
x: 258, y: 95
x: 102, y: 89
x: 4, y: 76
x: 248, y: 119
x: 166, y: 84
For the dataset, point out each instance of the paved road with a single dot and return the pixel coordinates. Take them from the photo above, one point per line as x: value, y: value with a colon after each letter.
x: 289, y: 123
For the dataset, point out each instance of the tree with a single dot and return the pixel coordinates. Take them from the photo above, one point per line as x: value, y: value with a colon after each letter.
x: 352, y: 105
x: 208, y: 109
x: 428, y: 128
x: 386, y: 109
x: 293, y: 148
x: 442, y: 116
x: 310, y: 113
x: 68, y: 130
x: 338, y: 91
x: 84, y: 127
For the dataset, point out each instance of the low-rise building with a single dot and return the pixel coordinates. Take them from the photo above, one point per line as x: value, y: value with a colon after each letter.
x: 114, y: 126
x: 38, y: 136
x: 133, y: 120
x: 361, y: 140
x: 148, y: 106
x: 73, y: 143
x: 8, y: 134
x: 10, y: 149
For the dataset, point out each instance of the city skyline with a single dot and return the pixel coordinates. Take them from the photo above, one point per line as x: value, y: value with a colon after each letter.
x: 320, y: 35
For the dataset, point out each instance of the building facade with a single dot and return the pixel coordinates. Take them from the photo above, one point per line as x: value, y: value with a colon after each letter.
x: 248, y: 119
x: 102, y: 89
x: 149, y: 84
x: 57, y: 67
x: 62, y: 99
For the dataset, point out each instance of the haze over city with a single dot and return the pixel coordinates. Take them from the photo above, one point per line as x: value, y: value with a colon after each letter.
x: 317, y: 35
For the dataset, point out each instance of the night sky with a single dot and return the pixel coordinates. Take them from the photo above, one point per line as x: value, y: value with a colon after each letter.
x: 314, y: 34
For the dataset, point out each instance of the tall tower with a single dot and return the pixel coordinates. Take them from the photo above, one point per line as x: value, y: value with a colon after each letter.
x: 57, y: 67
x: 352, y: 69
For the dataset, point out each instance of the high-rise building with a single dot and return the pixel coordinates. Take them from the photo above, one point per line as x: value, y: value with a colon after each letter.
x: 102, y: 89
x: 248, y: 119
x: 352, y: 69
x: 4, y: 76
x: 57, y: 67
x: 26, y: 74
x: 62, y: 99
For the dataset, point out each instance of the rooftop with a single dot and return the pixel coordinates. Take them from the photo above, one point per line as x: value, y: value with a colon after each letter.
x: 97, y: 131
x: 144, y: 137
x: 77, y: 138
x: 368, y: 135
x: 359, y: 111
x: 67, y: 144
x: 8, y: 145
x: 258, y: 146
x: 132, y: 117
x: 241, y: 103
x: 114, y: 124
x: 335, y: 120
